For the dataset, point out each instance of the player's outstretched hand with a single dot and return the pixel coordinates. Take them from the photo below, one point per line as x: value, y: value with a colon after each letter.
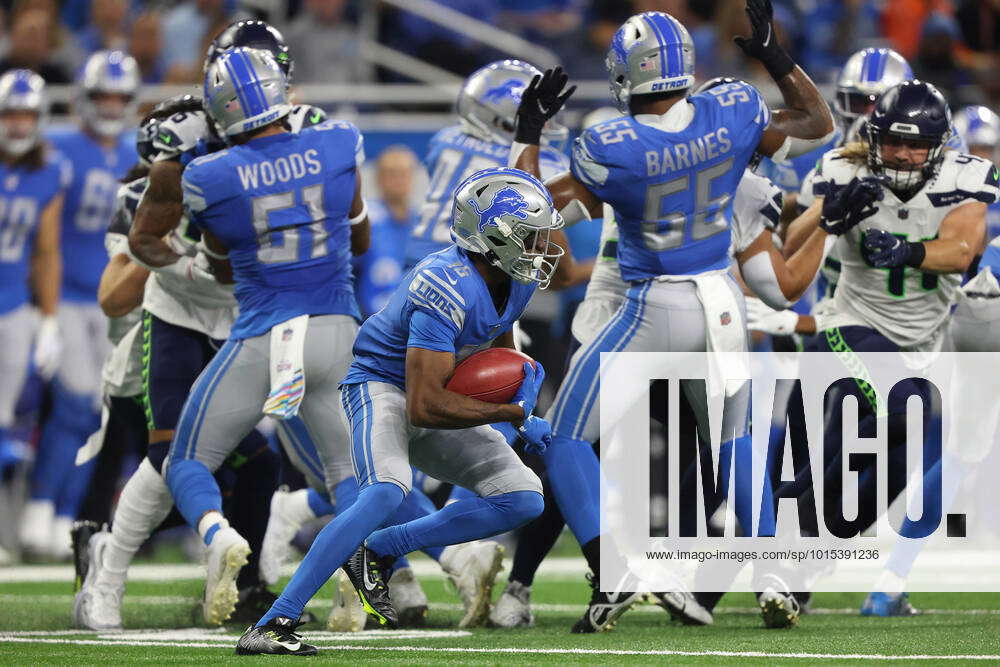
x: 884, y: 250
x: 537, y: 434
x: 540, y: 101
x: 527, y: 393
x: 761, y: 317
x: 850, y: 205
x: 762, y: 43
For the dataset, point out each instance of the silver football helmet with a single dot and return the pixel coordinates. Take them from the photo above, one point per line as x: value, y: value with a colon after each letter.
x: 507, y: 215
x: 979, y: 126
x: 651, y: 53
x: 22, y: 90
x: 866, y: 75
x: 487, y: 104
x: 245, y: 89
x: 109, y: 72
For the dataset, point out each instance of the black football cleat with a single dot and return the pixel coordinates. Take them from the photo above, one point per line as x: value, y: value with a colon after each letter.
x: 369, y: 575
x: 277, y: 637
x: 604, y: 608
x: 80, y: 537
x: 253, y: 602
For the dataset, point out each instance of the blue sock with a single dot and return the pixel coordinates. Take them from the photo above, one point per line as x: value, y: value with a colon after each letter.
x: 462, y: 521
x: 416, y: 505
x: 333, y: 546
x: 69, y: 425
x: 319, y: 503
x: 71, y: 495
x: 575, y: 475
x: 194, y: 489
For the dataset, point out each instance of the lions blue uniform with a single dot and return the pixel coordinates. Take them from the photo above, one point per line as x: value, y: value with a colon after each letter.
x: 672, y: 190
x: 93, y: 172
x: 281, y: 204
x: 671, y: 181
x: 452, y: 157
x: 444, y: 306
x: 289, y: 242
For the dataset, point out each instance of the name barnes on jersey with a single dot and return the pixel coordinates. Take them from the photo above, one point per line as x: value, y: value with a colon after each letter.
x: 688, y: 154
x: 282, y: 169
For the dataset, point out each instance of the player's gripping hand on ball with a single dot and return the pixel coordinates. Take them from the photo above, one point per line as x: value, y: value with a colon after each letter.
x: 536, y: 432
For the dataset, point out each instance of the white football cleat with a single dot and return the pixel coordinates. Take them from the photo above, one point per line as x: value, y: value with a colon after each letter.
x: 778, y: 607
x: 473, y: 567
x: 408, y: 598
x: 5, y: 557
x: 35, y: 533
x: 513, y: 608
x: 227, y: 553
x: 61, y: 540
x: 347, y: 614
x: 284, y: 522
x: 98, y: 607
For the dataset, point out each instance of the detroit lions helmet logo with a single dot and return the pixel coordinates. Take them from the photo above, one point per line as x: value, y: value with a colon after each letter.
x: 507, y: 201
x: 510, y: 88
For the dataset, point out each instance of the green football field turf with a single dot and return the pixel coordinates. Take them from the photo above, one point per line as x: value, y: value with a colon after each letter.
x: 35, y: 628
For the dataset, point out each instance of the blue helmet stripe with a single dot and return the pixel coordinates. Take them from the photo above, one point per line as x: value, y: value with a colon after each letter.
x: 255, y: 92
x: 115, y: 70
x: 243, y: 78
x: 239, y: 89
x: 881, y: 62
x: 674, y: 48
x: 866, y: 66
x: 659, y: 37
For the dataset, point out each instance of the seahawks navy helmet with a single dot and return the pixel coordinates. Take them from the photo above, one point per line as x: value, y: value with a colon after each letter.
x: 914, y: 111
x: 254, y: 35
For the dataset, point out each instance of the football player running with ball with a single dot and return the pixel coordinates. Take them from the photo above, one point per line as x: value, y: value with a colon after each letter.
x: 455, y: 301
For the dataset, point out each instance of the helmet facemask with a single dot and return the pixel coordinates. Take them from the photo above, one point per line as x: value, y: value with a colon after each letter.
x: 903, y: 178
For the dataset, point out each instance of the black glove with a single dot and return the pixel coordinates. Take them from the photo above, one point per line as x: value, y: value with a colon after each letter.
x: 540, y: 101
x: 762, y: 43
x: 886, y: 251
x: 853, y: 203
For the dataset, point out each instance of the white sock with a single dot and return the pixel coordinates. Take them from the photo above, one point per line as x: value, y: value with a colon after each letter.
x: 448, y: 555
x: 297, y: 506
x: 144, y: 503
x: 890, y: 582
x: 208, y: 521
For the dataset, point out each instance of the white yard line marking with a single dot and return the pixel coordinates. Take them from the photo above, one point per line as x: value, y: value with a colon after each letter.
x: 153, y: 600
x: 124, y: 641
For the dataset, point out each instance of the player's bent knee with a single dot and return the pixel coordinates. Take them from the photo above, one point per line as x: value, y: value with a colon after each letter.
x: 519, y: 507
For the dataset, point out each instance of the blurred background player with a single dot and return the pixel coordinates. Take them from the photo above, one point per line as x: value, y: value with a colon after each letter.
x: 96, y: 155
x: 979, y: 127
x: 30, y: 262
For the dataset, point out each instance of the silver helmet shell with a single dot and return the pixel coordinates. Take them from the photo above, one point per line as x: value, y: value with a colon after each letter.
x: 113, y: 72
x: 651, y: 53
x: 867, y: 74
x: 507, y: 215
x: 979, y: 126
x: 22, y: 90
x: 245, y: 89
x: 487, y: 103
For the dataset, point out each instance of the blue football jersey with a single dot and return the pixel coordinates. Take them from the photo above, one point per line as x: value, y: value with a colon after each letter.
x: 24, y: 194
x: 378, y: 271
x: 92, y: 175
x: 280, y: 204
x: 672, y: 189
x: 452, y: 157
x: 443, y: 305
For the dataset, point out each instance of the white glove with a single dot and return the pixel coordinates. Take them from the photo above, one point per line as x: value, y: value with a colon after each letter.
x: 48, y: 347
x: 761, y: 317
x: 196, y: 269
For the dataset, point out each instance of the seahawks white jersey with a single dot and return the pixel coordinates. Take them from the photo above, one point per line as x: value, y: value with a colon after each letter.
x: 831, y: 265
x: 122, y: 372
x: 906, y: 305
x: 756, y: 207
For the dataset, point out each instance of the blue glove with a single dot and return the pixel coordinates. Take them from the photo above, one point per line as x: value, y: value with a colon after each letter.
x: 885, y: 251
x: 537, y: 434
x: 527, y: 393
x: 850, y: 205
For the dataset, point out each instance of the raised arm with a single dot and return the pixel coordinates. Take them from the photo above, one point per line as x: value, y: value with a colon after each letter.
x: 806, y: 122
x: 157, y: 215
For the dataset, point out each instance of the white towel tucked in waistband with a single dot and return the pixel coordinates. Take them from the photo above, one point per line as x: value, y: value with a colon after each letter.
x: 288, y: 379
x: 724, y: 327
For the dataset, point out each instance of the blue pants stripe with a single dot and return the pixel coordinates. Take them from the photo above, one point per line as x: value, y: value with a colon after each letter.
x: 301, y: 442
x: 189, y: 424
x: 368, y: 420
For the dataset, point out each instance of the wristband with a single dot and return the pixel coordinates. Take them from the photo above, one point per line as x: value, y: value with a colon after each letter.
x: 918, y: 251
x: 776, y: 61
x: 360, y: 216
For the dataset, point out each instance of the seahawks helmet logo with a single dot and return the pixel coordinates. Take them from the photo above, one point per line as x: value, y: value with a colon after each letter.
x: 509, y: 88
x: 506, y: 201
